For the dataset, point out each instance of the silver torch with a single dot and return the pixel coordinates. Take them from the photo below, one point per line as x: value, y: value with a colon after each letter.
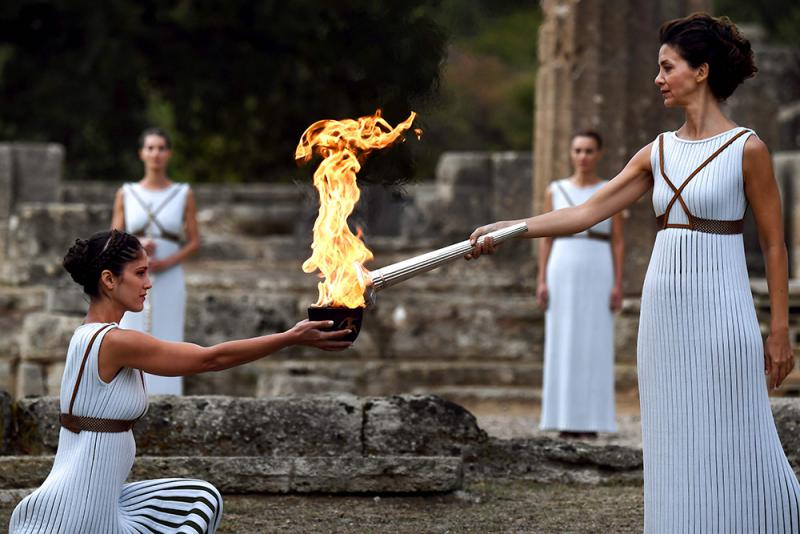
x: 403, y: 270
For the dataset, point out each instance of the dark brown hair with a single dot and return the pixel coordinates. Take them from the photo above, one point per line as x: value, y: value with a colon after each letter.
x: 154, y: 131
x: 589, y: 133
x: 87, y: 258
x: 701, y: 38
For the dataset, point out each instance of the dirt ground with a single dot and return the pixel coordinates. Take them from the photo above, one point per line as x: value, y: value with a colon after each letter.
x: 486, y: 507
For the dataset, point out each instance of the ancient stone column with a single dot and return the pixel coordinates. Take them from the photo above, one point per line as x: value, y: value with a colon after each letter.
x: 597, y: 63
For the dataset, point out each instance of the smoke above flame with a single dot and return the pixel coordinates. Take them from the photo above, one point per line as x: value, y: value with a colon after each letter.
x: 337, y: 253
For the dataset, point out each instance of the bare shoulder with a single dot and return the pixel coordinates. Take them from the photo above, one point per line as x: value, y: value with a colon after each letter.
x: 640, y: 162
x: 122, y: 339
x: 755, y: 148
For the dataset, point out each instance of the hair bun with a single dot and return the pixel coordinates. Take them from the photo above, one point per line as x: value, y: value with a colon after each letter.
x: 76, y: 260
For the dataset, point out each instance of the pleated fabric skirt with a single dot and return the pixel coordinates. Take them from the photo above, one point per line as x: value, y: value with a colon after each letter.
x: 712, y: 458
x: 578, y: 385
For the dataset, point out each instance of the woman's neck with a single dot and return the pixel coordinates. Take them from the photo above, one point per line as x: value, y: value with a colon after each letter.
x: 704, y: 118
x: 155, y: 179
x: 103, y: 310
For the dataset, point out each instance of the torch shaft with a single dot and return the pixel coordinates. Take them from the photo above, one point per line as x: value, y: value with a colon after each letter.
x: 411, y: 267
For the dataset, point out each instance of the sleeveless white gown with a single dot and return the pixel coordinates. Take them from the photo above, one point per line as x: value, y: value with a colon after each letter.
x: 578, y: 387
x: 164, y: 312
x: 85, y: 491
x: 712, y: 458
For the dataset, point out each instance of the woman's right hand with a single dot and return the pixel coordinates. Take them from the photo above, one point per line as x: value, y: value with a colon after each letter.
x: 542, y: 295
x: 149, y: 245
x: 486, y: 246
x: 310, y: 333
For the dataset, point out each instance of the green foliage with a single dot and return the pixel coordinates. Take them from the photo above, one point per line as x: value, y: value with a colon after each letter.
x: 236, y: 82
x: 780, y: 18
x: 487, y: 93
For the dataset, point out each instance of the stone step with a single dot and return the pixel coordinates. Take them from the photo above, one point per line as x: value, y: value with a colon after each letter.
x: 265, y: 474
x: 269, y: 474
x: 358, y: 376
x: 487, y: 399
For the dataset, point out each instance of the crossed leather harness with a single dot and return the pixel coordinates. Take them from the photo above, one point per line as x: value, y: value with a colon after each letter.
x: 76, y: 423
x: 152, y: 216
x: 589, y: 234
x: 698, y: 224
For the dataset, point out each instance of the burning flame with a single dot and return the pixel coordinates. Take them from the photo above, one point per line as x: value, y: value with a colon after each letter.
x: 336, y: 251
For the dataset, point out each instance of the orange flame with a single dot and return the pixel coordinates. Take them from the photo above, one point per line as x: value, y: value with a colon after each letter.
x: 336, y: 252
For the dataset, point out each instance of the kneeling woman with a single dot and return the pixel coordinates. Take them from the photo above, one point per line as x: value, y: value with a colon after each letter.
x: 102, y: 395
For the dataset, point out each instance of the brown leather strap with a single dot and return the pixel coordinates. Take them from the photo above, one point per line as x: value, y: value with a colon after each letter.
x: 590, y: 234
x: 679, y: 190
x: 152, y: 215
x: 76, y: 423
x: 708, y: 226
x: 83, y: 366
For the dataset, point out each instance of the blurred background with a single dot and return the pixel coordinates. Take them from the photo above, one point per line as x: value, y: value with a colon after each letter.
x: 499, y: 87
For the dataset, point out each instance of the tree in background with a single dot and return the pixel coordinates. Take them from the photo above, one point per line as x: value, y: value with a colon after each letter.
x: 237, y: 82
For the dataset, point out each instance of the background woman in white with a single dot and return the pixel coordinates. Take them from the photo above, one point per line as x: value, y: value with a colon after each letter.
x: 163, y: 215
x: 580, y: 286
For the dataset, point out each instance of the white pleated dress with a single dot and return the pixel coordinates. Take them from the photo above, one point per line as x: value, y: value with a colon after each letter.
x: 85, y: 492
x: 578, y: 386
x: 712, y: 458
x: 164, y: 313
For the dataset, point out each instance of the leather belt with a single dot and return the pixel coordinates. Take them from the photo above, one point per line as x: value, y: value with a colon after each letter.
x: 76, y: 423
x: 708, y: 226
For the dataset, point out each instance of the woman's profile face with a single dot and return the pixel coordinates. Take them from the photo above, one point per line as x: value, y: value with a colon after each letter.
x: 584, y: 153
x: 133, y: 283
x: 155, y: 153
x: 676, y: 79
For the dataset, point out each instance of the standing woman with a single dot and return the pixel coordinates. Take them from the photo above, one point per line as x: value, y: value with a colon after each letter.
x: 713, y: 461
x: 163, y: 215
x: 580, y: 286
x: 102, y: 397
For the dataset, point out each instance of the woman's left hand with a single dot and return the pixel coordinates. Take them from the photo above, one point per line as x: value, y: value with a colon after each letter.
x: 156, y: 266
x: 615, y: 300
x: 778, y: 358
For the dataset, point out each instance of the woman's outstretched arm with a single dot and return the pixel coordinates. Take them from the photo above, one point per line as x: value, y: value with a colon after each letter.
x: 130, y: 348
x: 762, y: 194
x: 619, y: 193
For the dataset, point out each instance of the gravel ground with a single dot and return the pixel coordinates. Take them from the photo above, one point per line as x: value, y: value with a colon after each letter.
x: 483, y: 508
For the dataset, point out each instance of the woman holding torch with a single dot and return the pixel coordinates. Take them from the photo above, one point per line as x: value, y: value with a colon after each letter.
x: 712, y: 458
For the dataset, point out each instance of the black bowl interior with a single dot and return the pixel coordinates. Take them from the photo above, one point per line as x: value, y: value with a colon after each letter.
x: 342, y: 318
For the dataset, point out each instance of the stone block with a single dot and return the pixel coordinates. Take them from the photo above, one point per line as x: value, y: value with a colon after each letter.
x: 377, y: 474
x: 30, y: 380
x: 227, y: 426
x: 8, y: 382
x: 6, y: 181
x: 417, y: 425
x: 464, y: 185
x: 67, y: 297
x: 54, y: 374
x: 230, y: 474
x: 787, y: 420
x: 24, y: 471
x: 214, y: 316
x: 512, y: 185
x: 37, y: 169
x: 46, y: 336
x: 546, y: 460
x: 6, y: 422
x: 37, y: 426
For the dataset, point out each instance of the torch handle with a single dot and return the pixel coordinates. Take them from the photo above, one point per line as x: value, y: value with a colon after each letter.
x: 403, y: 270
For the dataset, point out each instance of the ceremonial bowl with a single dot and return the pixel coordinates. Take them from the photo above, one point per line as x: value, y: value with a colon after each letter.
x: 342, y: 318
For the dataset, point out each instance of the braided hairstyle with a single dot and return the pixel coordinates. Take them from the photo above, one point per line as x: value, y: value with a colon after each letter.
x: 110, y: 250
x: 701, y: 38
